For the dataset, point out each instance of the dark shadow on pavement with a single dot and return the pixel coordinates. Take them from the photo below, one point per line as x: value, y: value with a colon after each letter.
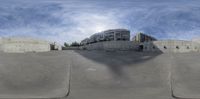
x: 116, y: 60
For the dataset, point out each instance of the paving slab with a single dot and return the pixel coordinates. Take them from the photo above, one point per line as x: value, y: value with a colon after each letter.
x: 99, y: 75
x: 186, y: 76
x: 119, y: 75
x: 34, y: 75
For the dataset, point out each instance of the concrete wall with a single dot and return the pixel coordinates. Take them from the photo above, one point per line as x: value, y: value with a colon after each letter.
x: 21, y: 45
x: 110, y: 45
x: 176, y: 46
x: 55, y: 46
x: 197, y: 40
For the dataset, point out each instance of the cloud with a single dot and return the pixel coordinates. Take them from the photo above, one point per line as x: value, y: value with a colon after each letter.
x: 90, y: 23
x: 68, y: 21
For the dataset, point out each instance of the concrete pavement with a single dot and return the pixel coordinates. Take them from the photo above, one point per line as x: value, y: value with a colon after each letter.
x: 82, y: 74
x: 34, y: 75
x: 120, y: 75
x: 186, y: 75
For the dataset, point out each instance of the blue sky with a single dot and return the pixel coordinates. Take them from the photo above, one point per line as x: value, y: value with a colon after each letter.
x: 74, y: 20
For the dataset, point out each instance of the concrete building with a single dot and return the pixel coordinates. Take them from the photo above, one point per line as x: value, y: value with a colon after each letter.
x: 148, y: 43
x: 141, y: 37
x: 118, y: 39
x: 108, y: 35
x: 117, y: 35
x: 55, y: 46
x: 20, y: 45
x: 113, y: 39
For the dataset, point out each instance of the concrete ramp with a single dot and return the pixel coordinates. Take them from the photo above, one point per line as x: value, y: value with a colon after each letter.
x: 34, y: 75
x: 100, y: 75
x: 119, y: 75
x: 186, y: 76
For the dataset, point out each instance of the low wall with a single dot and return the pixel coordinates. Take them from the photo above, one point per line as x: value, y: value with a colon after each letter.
x: 70, y: 48
x: 20, y: 45
x: 110, y: 45
x: 176, y: 46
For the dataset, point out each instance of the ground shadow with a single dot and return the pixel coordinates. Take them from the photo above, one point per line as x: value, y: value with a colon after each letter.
x: 116, y: 60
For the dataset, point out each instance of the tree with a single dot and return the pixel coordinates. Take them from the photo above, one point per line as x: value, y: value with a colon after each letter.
x: 66, y: 44
x: 75, y: 44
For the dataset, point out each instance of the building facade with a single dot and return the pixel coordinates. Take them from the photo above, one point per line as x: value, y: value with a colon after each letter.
x: 108, y: 35
x: 141, y: 37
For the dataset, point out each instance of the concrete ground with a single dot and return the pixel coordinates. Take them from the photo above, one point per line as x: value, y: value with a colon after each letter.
x: 34, y: 75
x: 186, y: 75
x: 82, y: 74
x: 120, y: 75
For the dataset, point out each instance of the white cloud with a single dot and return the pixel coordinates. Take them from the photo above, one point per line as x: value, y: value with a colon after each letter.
x: 86, y: 24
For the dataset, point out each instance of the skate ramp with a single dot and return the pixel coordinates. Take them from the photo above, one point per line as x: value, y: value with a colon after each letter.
x: 119, y: 75
x: 186, y: 76
x: 99, y: 75
x: 34, y: 75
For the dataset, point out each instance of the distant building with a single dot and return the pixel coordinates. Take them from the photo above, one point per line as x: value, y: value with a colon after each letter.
x: 117, y: 35
x: 55, y: 46
x: 108, y: 35
x: 140, y: 37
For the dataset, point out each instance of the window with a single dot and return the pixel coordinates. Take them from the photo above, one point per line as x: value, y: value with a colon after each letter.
x: 177, y: 47
x: 188, y: 47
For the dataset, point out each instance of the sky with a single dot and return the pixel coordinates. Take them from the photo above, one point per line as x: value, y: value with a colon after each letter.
x: 73, y: 20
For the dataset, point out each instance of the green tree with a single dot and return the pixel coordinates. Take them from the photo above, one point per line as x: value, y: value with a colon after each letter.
x: 66, y: 44
x: 75, y: 44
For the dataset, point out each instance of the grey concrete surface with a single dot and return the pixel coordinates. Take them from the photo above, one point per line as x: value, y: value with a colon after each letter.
x: 120, y: 75
x: 34, y: 75
x: 99, y: 75
x: 186, y: 76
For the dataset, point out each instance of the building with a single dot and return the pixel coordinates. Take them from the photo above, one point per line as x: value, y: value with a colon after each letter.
x: 117, y: 35
x: 197, y: 40
x: 118, y: 39
x: 108, y: 35
x: 20, y: 45
x: 112, y: 39
x: 55, y: 46
x: 141, y: 37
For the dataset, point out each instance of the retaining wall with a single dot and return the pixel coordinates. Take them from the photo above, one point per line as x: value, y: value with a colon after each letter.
x: 20, y: 45
x: 110, y: 45
x: 176, y: 46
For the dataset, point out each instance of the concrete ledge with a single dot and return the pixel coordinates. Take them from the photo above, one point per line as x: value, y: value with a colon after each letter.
x: 110, y: 45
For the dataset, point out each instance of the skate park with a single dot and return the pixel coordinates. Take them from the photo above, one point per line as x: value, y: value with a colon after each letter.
x: 104, y: 70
